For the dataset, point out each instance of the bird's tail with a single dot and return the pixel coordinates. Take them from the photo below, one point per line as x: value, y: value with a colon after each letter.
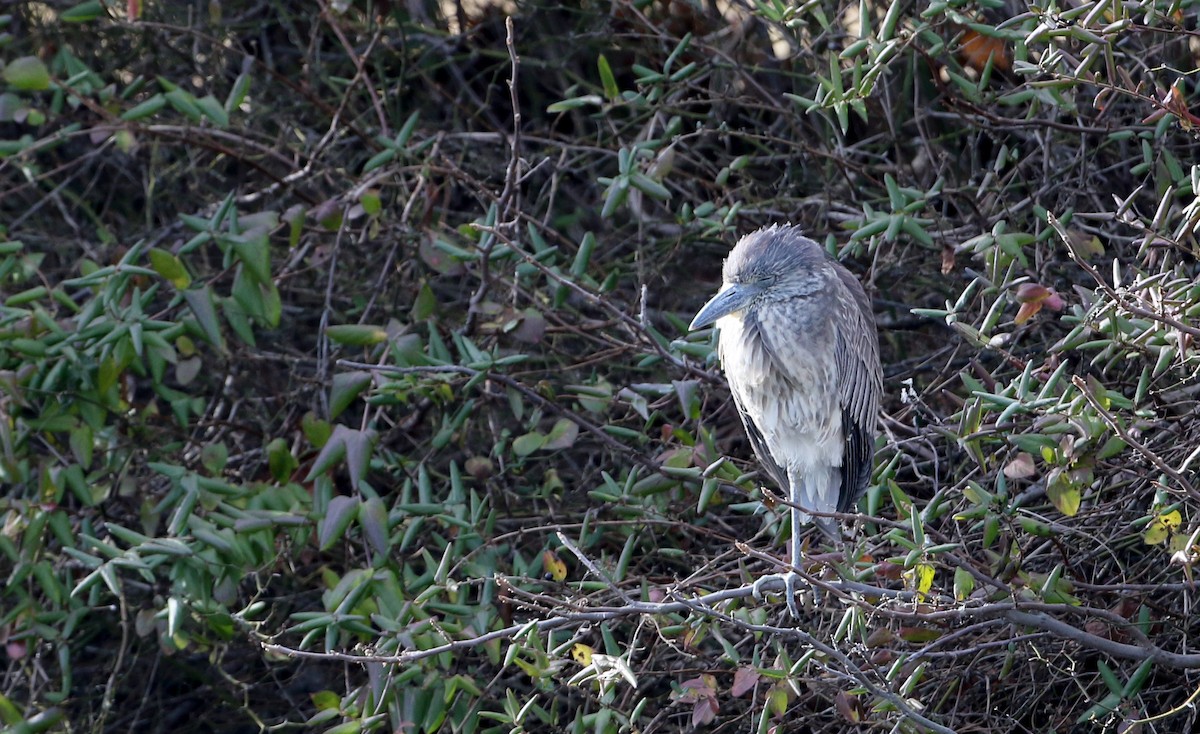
x: 818, y: 490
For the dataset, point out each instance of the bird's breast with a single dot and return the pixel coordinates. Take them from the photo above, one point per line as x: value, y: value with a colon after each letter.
x: 784, y: 375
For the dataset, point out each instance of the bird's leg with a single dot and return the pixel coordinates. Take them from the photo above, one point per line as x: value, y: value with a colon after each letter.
x: 789, y: 579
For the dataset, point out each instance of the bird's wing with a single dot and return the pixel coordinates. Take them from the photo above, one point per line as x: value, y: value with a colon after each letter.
x: 752, y: 339
x: 759, y: 444
x: 860, y: 384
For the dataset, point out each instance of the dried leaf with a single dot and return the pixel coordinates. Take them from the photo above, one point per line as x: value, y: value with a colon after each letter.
x: 880, y: 636
x: 947, y: 260
x: 562, y: 435
x: 1021, y: 467
x: 847, y: 707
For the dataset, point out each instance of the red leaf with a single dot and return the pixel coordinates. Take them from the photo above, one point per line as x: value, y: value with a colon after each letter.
x: 705, y: 711
x: 744, y: 681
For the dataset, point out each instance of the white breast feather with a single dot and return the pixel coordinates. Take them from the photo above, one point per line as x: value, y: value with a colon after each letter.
x: 797, y: 413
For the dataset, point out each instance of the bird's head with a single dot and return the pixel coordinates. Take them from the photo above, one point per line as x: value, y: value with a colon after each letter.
x: 772, y: 264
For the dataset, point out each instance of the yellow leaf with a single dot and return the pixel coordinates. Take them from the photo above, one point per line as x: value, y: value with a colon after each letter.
x: 555, y: 566
x: 581, y: 653
x: 1064, y: 494
x: 920, y: 577
x: 1178, y: 544
x: 1161, y: 527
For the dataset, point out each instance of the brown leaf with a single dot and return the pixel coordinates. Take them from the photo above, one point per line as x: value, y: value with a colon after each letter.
x: 947, y: 259
x: 880, y: 636
x: 919, y: 634
x: 847, y: 707
x: 889, y: 571
x: 1021, y: 467
x: 480, y: 467
x: 1032, y: 293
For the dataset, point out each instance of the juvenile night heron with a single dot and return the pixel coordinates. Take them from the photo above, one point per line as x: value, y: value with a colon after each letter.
x: 800, y: 351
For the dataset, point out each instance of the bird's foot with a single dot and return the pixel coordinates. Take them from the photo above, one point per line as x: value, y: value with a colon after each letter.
x: 788, y: 582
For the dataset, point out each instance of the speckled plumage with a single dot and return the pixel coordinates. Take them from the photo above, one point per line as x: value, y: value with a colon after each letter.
x: 799, y: 347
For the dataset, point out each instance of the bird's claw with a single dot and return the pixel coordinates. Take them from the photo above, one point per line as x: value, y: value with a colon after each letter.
x: 788, y: 582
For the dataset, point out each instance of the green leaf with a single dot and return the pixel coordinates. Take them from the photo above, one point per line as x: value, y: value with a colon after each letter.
x: 607, y: 80
x: 214, y: 456
x: 280, y: 460
x: 1064, y: 494
x: 356, y: 335
x: 562, y: 435
x: 317, y: 431
x: 345, y: 443
x: 27, y: 74
x: 213, y: 110
x: 373, y: 519
x: 82, y: 442
x: 83, y: 12
x: 340, y: 513
x: 237, y: 95
x: 346, y: 387
x: 385, y: 156
x: 184, y: 103
x: 425, y: 304
x: 371, y: 203
x: 964, y: 584
x: 145, y: 109
x: 575, y: 103
x: 527, y: 444
x: 201, y: 302
x: 169, y: 267
x: 255, y: 253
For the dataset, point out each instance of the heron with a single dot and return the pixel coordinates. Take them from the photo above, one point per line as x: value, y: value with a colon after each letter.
x: 798, y: 345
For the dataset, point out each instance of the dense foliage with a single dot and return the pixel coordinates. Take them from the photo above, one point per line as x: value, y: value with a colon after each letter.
x: 345, y: 382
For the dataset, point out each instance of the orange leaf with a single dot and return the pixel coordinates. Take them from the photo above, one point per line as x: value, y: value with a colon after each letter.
x: 1028, y: 311
x: 976, y: 49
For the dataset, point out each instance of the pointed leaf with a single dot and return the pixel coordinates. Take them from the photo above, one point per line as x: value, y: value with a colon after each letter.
x: 201, y: 302
x: 346, y: 387
x: 337, y: 518
x: 373, y: 519
x: 333, y: 451
x: 359, y: 445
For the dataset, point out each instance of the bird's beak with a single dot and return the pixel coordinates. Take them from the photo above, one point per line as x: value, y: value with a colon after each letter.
x: 732, y: 299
